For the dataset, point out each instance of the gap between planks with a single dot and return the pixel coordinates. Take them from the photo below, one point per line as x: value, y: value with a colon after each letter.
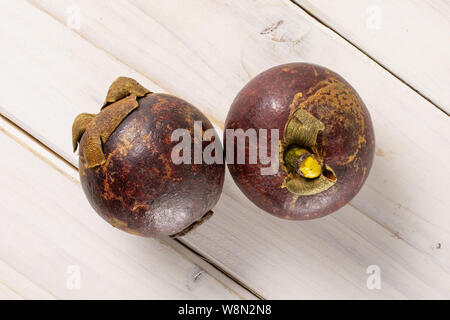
x: 179, y: 245
x: 308, y: 12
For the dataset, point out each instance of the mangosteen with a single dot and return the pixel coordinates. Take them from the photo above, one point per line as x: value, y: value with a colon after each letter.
x: 325, y: 145
x: 126, y: 166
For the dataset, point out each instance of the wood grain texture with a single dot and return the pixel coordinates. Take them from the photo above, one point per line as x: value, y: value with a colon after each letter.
x: 408, y: 37
x: 205, y: 52
x: 49, y: 231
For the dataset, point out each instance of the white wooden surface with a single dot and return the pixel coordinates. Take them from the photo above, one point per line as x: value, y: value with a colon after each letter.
x: 409, y: 37
x: 204, y: 52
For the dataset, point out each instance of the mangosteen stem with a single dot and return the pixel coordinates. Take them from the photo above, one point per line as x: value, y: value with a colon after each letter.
x: 303, y: 162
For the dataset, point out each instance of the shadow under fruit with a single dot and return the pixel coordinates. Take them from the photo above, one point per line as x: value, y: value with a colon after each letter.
x: 125, y: 163
x: 326, y: 145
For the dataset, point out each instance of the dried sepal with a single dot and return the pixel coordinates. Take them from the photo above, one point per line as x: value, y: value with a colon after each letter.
x: 120, y: 100
x: 101, y: 127
x: 79, y: 126
x: 123, y: 87
x: 306, y: 187
x: 301, y: 131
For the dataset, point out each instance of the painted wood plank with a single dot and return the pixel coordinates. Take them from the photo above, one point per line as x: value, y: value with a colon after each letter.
x: 52, y: 244
x: 14, y: 285
x: 168, y: 43
x: 408, y: 37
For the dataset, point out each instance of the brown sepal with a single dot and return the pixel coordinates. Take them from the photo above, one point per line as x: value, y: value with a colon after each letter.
x: 79, y: 126
x: 302, y: 129
x: 123, y: 87
x: 100, y: 127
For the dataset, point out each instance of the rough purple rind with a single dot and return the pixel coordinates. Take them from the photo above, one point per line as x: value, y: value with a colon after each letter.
x: 346, y: 144
x: 139, y: 189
